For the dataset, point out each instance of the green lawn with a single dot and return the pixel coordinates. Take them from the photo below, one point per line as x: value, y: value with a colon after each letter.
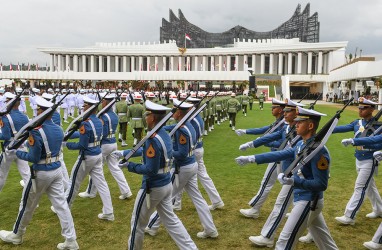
x: 236, y: 185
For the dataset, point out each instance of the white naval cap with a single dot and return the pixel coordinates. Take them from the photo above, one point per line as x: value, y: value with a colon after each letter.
x: 290, y: 105
x: 233, y: 95
x: 36, y: 90
x: 9, y: 95
x: 184, y: 105
x: 89, y: 100
x: 150, y: 94
x: 137, y: 96
x: 41, y: 102
x: 192, y: 99
x: 155, y: 108
x: 306, y: 114
x: 50, y: 90
x: 64, y: 91
x: 124, y: 95
x: 18, y: 90
x: 47, y: 96
x: 366, y: 103
x: 110, y: 96
x: 277, y: 103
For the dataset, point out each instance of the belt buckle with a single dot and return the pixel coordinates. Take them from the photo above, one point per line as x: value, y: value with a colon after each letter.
x: 48, y: 157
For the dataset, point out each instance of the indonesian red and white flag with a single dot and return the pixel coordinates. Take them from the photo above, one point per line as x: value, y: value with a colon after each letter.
x: 18, y: 67
x: 187, y: 37
x: 10, y: 67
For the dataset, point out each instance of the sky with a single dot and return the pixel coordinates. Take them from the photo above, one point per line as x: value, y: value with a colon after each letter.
x: 27, y: 25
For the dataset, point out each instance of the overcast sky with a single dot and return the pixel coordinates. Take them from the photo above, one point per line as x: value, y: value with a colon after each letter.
x: 26, y: 25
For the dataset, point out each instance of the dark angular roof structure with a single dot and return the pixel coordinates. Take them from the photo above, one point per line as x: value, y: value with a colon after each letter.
x: 301, y: 25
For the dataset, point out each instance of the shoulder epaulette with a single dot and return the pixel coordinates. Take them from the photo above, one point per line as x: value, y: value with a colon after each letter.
x: 38, y: 127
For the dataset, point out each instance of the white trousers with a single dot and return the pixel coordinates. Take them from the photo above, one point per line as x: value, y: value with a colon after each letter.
x: 377, y: 238
x: 116, y: 172
x: 160, y: 199
x: 283, y: 201
x: 364, y: 186
x: 300, y: 218
x: 5, y: 166
x: 92, y: 165
x: 65, y: 114
x: 65, y: 174
x: 269, y: 179
x: 188, y: 181
x: 49, y: 182
x: 204, y: 179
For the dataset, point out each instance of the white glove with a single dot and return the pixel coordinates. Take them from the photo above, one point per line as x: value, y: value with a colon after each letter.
x: 242, y: 160
x: 10, y: 151
x: 285, y: 180
x: 117, y: 154
x: 347, y: 142
x: 246, y: 145
x: 123, y: 164
x: 378, y: 155
x: 64, y: 144
x: 240, y: 132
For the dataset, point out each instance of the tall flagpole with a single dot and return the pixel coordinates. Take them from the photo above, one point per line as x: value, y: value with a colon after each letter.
x: 185, y: 41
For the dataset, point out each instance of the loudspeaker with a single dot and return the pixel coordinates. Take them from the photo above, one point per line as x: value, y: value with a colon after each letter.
x: 252, y: 83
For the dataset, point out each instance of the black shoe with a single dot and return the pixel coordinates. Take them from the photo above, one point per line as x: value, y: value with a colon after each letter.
x: 230, y: 125
x: 120, y: 140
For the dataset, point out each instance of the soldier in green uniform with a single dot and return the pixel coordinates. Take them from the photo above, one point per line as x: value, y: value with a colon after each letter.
x: 121, y: 110
x: 244, y: 103
x: 135, y: 113
x: 232, y: 106
x: 219, y: 108
x: 261, y: 100
x: 250, y: 100
x: 212, y: 112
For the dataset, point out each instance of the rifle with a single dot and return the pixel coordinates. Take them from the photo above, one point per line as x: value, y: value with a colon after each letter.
x: 200, y: 109
x: 23, y: 134
x: 75, y: 124
x: 313, y: 147
x: 303, y: 97
x: 9, y: 105
x: 311, y: 106
x: 143, y: 95
x: 109, y: 105
x: 279, y: 122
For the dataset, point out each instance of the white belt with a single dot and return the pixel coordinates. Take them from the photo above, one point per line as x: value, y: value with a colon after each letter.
x: 136, y: 119
x: 49, y: 160
x: 97, y: 143
x: 163, y: 170
x: 111, y: 136
x: 122, y: 113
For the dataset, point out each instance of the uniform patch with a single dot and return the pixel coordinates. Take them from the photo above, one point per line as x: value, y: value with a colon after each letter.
x: 82, y: 130
x: 1, y: 123
x: 323, y: 163
x: 31, y: 140
x: 150, y: 152
x: 182, y: 139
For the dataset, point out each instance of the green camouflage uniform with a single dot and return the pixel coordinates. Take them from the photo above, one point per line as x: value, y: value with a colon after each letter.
x: 250, y: 100
x: 121, y: 110
x: 244, y: 103
x: 232, y: 106
x: 137, y: 122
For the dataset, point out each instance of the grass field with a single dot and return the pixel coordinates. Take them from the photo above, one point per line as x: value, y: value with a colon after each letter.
x: 237, y: 185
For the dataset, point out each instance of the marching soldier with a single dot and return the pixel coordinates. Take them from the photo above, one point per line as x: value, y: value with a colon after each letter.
x: 232, y: 107
x: 108, y: 145
x: 44, y: 149
x: 135, y: 113
x: 245, y: 101
x: 261, y: 100
x: 365, y: 166
x: 121, y: 110
x: 309, y: 184
x: 250, y: 101
x: 156, y: 189
x: 10, y: 124
x: 186, y: 172
x: 89, y: 161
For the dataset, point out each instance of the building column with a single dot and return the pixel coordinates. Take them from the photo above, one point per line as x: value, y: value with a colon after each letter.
x: 51, y: 63
x: 132, y: 61
x: 280, y: 71
x: 237, y: 63
x: 124, y: 64
x: 289, y: 63
x: 100, y: 63
x: 254, y: 63
x: 108, y: 63
x: 319, y: 67
x: 92, y: 63
x: 262, y: 63
x: 164, y: 62
x: 188, y: 66
x: 309, y: 63
x: 156, y: 66
x: 171, y: 63
x: 204, y: 64
x: 271, y: 62
x: 196, y: 64
x: 220, y: 63
x: 212, y: 66
x: 116, y: 64
x: 245, y: 62
x: 140, y: 63
x: 148, y: 64
x: 228, y: 66
x: 180, y: 65
x: 84, y: 69
x: 67, y: 63
x: 299, y: 62
x: 59, y: 61
x: 75, y: 63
